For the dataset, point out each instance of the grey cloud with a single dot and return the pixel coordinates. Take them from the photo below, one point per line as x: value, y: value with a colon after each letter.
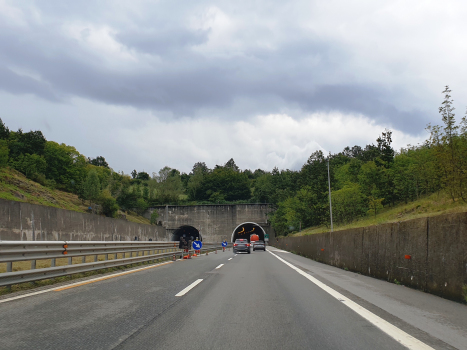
x: 161, y: 42
x: 19, y: 84
x: 182, y: 81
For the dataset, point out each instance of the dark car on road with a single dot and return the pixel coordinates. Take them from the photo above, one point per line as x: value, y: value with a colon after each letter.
x: 259, y: 245
x: 241, y: 245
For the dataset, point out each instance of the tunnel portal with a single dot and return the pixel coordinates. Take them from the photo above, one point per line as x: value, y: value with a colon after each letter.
x: 186, y: 231
x: 247, y: 229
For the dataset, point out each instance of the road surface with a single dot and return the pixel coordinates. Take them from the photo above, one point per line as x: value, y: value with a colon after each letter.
x: 264, y: 300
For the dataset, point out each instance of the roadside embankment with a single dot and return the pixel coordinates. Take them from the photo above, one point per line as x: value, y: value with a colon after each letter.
x: 429, y: 254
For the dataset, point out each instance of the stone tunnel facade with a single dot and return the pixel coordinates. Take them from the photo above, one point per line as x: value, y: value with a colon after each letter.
x: 214, y: 222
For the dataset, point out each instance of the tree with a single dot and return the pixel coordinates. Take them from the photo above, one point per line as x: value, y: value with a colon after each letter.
x: 374, y: 204
x: 164, y: 173
x: 154, y: 217
x: 65, y: 165
x: 447, y: 113
x: 92, y: 186
x: 142, y: 176
x: 200, y: 166
x: 315, y: 174
x: 447, y: 145
x: 30, y: 165
x: 4, y: 151
x: 229, y: 183
x: 386, y: 152
x: 141, y: 206
x: 108, y: 203
x: 4, y: 131
x: 195, y: 183
x: 404, y: 175
x: 231, y: 165
x: 348, y: 203
x: 32, y: 142
x: 168, y: 186
x: 134, y: 173
x: 98, y: 161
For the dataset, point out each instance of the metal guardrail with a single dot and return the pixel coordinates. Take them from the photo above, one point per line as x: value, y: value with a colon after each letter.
x: 15, y: 251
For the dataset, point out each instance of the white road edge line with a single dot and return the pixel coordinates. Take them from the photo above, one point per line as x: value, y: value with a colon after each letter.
x: 218, y: 267
x: 190, y: 287
x: 399, y: 335
x: 81, y: 282
x: 230, y: 259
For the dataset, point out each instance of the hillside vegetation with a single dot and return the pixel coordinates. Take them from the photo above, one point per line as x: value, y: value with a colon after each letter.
x: 432, y: 205
x: 368, y: 184
x: 16, y: 187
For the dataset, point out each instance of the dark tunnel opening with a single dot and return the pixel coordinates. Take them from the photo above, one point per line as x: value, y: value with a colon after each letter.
x: 247, y: 229
x: 189, y: 232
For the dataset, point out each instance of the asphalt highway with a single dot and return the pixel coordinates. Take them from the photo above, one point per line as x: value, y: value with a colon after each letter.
x: 264, y: 300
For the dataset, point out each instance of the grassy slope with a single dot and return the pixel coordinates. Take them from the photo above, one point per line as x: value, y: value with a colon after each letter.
x: 435, y: 204
x: 16, y: 187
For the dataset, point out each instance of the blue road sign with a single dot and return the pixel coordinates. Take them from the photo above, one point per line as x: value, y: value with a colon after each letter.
x: 197, y: 245
x: 224, y: 244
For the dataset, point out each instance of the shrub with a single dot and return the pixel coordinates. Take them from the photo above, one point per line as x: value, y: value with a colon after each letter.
x: 154, y: 217
x: 108, y: 203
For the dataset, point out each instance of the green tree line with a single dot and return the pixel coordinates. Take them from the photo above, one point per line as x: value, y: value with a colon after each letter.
x: 363, y: 180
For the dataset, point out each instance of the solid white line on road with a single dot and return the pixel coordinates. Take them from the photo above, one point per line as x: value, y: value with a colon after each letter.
x: 277, y: 250
x: 218, y: 267
x: 399, y: 335
x: 190, y: 287
x: 230, y: 259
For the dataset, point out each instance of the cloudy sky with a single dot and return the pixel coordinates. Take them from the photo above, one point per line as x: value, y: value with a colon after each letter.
x: 153, y: 83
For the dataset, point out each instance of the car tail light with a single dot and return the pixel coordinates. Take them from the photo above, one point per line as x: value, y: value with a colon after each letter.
x: 248, y: 244
x: 235, y: 244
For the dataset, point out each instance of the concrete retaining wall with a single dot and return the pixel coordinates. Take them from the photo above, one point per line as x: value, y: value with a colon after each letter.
x: 437, y: 247
x: 27, y: 222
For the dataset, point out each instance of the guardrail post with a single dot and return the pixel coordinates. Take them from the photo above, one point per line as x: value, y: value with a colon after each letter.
x: 33, y: 264
x: 70, y: 261
x: 9, y: 268
x: 53, y: 262
x: 95, y: 258
x: 83, y: 259
x: 106, y: 256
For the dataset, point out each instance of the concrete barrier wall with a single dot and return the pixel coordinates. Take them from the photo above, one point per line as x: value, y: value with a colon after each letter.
x: 437, y: 247
x: 27, y: 222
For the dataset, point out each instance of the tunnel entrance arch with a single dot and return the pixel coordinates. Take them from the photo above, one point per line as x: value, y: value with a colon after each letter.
x: 246, y: 229
x: 186, y: 231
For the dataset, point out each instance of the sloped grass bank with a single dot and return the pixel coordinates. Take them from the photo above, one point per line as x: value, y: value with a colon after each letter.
x: 429, y: 206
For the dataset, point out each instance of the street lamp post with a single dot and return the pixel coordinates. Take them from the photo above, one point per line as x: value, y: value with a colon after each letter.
x: 330, y: 204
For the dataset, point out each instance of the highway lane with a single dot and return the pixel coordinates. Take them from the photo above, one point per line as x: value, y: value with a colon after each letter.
x: 257, y: 302
x: 252, y: 301
x: 98, y: 315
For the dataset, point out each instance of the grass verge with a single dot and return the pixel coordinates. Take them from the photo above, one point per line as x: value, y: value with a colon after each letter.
x: 432, y: 205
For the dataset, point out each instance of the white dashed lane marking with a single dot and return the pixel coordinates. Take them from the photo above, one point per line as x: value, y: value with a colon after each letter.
x: 218, y: 267
x: 190, y: 287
